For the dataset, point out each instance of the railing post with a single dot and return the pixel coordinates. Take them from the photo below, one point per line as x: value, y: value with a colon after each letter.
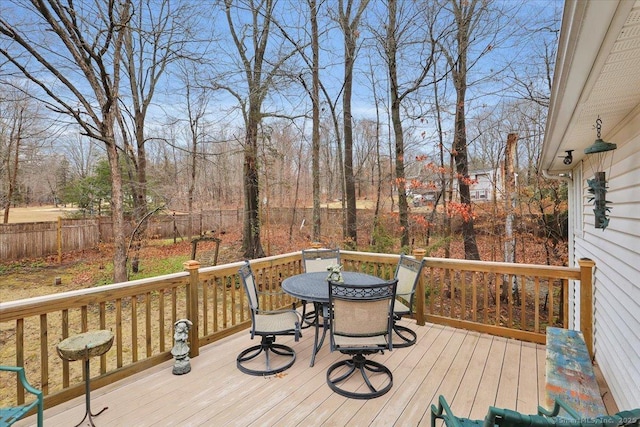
x: 586, y: 301
x: 420, y: 301
x: 192, y: 306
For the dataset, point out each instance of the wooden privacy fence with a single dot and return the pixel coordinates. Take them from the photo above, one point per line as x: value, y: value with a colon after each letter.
x: 142, y: 313
x: 41, y: 239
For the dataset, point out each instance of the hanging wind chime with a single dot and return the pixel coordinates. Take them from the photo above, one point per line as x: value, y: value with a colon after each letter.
x: 597, y: 156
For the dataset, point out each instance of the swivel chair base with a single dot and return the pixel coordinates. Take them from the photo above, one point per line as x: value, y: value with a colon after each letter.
x: 266, y: 346
x: 407, y: 336
x: 364, y: 366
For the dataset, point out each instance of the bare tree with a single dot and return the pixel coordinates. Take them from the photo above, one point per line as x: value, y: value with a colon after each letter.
x: 314, y: 66
x: 197, y: 103
x: 82, y: 155
x: 261, y: 72
x: 401, y: 41
x: 14, y: 126
x: 378, y: 161
x: 349, y: 25
x: 86, y: 42
x: 27, y: 166
x: 155, y: 37
x: 467, y: 16
x: 315, y: 131
x: 444, y: 170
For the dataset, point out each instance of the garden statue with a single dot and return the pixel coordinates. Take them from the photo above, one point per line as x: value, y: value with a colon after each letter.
x: 180, y: 350
x: 335, y: 273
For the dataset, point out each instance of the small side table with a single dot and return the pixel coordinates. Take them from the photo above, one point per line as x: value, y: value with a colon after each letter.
x: 83, y: 347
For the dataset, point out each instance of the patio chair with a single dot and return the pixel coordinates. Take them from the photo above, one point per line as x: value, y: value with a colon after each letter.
x: 361, y: 324
x: 316, y: 260
x: 268, y: 325
x: 407, y: 273
x: 509, y: 418
x: 9, y: 415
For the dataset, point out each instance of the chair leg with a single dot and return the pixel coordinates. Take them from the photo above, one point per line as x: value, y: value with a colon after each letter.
x: 266, y: 346
x: 365, y: 367
x: 408, y: 336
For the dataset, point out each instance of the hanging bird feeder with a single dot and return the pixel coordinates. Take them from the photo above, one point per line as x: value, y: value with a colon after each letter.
x: 597, y: 155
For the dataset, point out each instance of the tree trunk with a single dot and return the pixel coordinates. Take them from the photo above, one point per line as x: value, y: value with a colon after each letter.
x: 397, y: 126
x: 315, y: 133
x: 462, y: 170
x: 117, y: 212
x: 15, y: 136
x: 509, y: 205
x: 510, y: 198
x: 350, y: 32
x: 350, y: 189
x: 251, y: 244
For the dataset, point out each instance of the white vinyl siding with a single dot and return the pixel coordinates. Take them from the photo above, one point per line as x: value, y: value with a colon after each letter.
x: 616, y: 252
x: 575, y: 195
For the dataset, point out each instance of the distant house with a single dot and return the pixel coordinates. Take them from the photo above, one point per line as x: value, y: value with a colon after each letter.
x: 598, y: 75
x: 425, y: 183
x: 486, y: 182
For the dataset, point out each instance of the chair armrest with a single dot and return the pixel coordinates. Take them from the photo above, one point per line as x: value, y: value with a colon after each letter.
x: 557, y: 405
x: 23, y: 378
x: 270, y: 293
x: 443, y: 411
x: 297, y: 323
x: 268, y: 312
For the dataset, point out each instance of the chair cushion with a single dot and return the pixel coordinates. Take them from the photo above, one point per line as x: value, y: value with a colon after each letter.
x: 344, y: 341
x: 278, y: 322
x: 400, y: 307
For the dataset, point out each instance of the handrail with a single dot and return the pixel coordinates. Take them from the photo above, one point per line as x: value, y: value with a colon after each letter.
x: 468, y: 294
x: 13, y: 310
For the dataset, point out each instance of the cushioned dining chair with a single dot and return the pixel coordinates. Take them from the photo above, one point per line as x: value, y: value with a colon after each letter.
x: 407, y: 274
x: 313, y: 261
x: 268, y: 325
x: 510, y: 418
x: 361, y: 324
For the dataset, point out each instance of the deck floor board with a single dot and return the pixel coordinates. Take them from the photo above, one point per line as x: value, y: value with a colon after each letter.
x: 472, y: 370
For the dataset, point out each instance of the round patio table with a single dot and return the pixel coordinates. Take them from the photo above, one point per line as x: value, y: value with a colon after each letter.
x: 314, y: 287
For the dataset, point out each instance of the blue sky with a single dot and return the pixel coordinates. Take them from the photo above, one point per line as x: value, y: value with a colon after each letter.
x: 210, y: 23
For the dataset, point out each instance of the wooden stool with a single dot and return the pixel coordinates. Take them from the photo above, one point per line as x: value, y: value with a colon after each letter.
x: 83, y: 347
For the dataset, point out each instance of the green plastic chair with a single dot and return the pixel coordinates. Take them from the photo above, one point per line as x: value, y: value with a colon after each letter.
x: 12, y: 414
x: 509, y: 418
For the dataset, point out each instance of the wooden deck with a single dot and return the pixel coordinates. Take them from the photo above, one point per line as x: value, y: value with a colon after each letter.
x: 471, y: 370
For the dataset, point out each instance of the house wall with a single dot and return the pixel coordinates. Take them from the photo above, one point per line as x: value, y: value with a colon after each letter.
x: 488, y: 181
x: 575, y: 225
x: 616, y: 252
x: 482, y: 190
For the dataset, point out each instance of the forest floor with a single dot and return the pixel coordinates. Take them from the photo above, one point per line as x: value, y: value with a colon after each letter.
x: 87, y: 268
x: 82, y: 269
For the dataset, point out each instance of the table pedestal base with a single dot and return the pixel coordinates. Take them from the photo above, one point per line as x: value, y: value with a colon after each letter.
x: 87, y: 394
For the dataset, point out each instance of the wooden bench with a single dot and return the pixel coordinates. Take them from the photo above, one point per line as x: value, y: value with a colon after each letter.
x: 12, y: 414
x: 570, y: 375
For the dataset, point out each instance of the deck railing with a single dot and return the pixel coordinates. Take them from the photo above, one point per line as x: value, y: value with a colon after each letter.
x: 142, y: 313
